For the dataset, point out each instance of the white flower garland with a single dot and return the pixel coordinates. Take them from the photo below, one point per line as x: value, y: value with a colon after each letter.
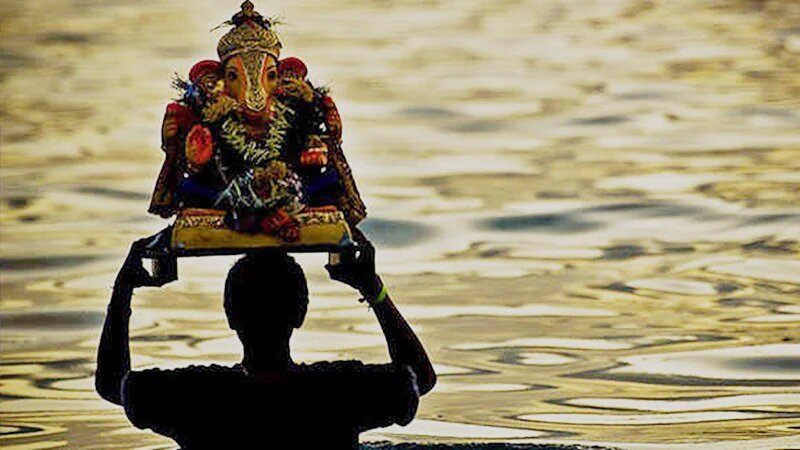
x: 239, y: 194
x: 253, y: 152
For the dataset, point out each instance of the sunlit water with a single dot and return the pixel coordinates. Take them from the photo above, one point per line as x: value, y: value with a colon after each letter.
x: 590, y: 210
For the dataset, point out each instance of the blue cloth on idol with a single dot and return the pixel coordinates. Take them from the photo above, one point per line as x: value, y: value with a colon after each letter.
x: 196, y: 194
x: 321, y: 189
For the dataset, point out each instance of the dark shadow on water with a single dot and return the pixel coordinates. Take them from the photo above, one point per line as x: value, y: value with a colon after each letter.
x: 770, y: 246
x: 765, y: 363
x: 770, y: 218
x: 45, y: 262
x: 396, y: 233
x: 750, y: 302
x: 51, y: 320
x: 599, y: 120
x: 428, y: 112
x: 18, y: 430
x: 648, y: 209
x: 112, y: 193
x: 477, y: 126
x: 14, y: 61
x: 596, y: 217
x: 19, y: 202
x: 676, y: 380
x: 555, y: 223
x: 66, y: 38
x: 643, y: 95
x: 619, y: 252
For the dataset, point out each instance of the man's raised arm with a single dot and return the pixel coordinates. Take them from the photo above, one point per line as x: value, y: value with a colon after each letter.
x: 113, y: 353
x: 404, y: 345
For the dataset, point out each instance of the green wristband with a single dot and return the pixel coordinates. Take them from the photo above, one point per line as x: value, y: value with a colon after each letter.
x: 381, y: 297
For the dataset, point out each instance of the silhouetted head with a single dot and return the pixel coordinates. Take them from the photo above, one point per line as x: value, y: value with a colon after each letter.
x: 266, y: 298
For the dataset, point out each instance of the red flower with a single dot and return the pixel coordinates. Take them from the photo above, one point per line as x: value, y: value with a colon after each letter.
x: 314, y: 157
x: 199, y: 147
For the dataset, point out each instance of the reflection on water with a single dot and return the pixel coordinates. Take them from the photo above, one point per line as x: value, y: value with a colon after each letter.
x: 689, y: 404
x: 544, y: 359
x: 591, y: 211
x: 775, y: 362
x: 422, y: 428
x: 642, y: 419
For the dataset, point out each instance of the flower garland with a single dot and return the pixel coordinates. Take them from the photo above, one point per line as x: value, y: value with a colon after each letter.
x: 267, y: 184
x: 253, y: 152
x: 254, y: 190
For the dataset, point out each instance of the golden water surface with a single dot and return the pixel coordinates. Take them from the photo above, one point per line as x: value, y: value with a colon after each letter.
x: 590, y: 211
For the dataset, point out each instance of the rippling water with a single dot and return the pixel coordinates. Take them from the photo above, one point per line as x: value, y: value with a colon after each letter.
x: 589, y: 209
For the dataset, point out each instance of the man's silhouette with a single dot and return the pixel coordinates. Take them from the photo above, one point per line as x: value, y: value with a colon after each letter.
x: 267, y: 401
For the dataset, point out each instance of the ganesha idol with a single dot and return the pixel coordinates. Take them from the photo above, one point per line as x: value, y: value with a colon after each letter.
x: 253, y: 154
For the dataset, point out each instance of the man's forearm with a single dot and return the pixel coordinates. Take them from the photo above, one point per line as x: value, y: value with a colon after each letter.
x: 404, y: 345
x: 113, y: 354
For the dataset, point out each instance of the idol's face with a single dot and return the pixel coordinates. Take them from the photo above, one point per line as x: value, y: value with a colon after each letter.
x: 251, y: 79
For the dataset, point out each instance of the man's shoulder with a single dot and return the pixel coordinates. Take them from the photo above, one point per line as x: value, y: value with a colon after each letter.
x: 139, y: 382
x: 179, y: 372
x: 369, y: 395
x: 341, y: 366
x: 353, y: 369
x: 352, y: 372
x: 195, y: 368
x: 163, y: 399
x: 348, y: 393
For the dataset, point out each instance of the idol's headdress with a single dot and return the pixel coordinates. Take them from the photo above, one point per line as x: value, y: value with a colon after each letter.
x: 252, y: 32
x: 253, y: 39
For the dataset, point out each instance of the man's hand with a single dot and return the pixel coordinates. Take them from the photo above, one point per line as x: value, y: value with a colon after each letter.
x: 358, y: 270
x: 132, y: 273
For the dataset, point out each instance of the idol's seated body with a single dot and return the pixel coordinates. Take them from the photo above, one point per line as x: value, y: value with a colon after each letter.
x: 254, y: 143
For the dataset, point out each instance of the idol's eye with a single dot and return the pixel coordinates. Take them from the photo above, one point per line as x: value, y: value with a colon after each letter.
x: 272, y: 75
x: 232, y: 76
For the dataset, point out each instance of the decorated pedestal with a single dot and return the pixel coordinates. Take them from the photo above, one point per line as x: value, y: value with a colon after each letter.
x: 253, y: 157
x: 199, y: 231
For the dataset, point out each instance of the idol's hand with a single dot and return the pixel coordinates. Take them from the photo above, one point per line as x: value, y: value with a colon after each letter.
x: 169, y: 129
x: 132, y: 273
x: 357, y: 270
x: 199, y: 148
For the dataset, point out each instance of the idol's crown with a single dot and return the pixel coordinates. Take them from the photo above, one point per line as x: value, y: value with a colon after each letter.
x: 251, y: 33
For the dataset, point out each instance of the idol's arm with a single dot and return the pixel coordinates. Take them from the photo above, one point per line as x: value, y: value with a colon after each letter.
x: 113, y: 353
